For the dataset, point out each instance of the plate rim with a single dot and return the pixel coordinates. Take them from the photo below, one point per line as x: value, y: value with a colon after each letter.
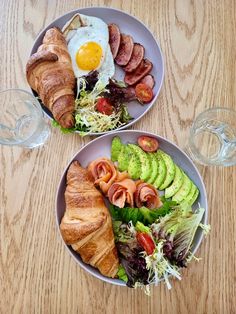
x: 153, y: 102
x: 81, y: 263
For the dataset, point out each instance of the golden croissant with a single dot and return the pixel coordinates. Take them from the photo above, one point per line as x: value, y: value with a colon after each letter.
x: 86, y: 224
x: 49, y: 72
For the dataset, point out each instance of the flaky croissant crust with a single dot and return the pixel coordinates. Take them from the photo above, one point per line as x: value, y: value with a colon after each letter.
x: 49, y: 72
x: 86, y: 224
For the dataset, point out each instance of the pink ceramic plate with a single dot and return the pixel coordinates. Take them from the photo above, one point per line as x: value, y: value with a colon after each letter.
x: 140, y: 33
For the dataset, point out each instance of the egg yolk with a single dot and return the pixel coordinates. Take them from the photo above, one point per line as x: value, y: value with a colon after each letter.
x: 89, y: 56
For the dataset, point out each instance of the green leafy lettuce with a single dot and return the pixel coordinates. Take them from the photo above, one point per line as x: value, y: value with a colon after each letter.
x: 142, y: 214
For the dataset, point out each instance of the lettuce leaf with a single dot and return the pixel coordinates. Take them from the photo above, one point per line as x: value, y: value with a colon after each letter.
x: 122, y: 274
x: 179, y: 228
x: 143, y: 214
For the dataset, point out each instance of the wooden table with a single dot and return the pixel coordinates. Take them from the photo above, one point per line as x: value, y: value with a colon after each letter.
x: 37, y: 275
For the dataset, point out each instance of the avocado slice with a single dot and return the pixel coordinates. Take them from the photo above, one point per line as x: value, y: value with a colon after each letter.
x: 134, y: 167
x: 184, y: 190
x: 176, y: 184
x: 124, y: 158
x: 154, y: 166
x: 170, y: 170
x: 195, y: 196
x: 145, y: 162
x: 116, y: 146
x: 161, y: 173
x: 190, y: 194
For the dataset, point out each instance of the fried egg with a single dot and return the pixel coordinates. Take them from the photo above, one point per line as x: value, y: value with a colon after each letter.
x: 88, y: 46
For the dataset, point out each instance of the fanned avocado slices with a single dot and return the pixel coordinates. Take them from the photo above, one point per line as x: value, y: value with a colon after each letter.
x: 176, y: 184
x: 134, y: 167
x: 191, y: 193
x: 124, y: 158
x: 154, y: 167
x: 184, y: 190
x: 195, y: 196
x: 116, y: 146
x: 144, y: 160
x: 161, y: 173
x: 170, y: 170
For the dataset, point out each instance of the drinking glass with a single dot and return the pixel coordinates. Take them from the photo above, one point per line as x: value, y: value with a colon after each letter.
x: 21, y: 119
x: 212, y: 138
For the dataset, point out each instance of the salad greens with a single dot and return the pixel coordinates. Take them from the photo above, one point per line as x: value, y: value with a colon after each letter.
x: 122, y: 274
x: 63, y: 130
x: 172, y: 232
x: 142, y: 214
x: 140, y: 227
x: 159, y: 266
x: 87, y: 118
x: 179, y: 228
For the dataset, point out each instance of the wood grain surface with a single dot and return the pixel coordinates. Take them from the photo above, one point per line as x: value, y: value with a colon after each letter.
x: 37, y: 275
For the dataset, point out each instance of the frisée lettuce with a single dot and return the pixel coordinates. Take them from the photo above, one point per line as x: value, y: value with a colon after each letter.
x: 172, y: 233
x: 87, y: 118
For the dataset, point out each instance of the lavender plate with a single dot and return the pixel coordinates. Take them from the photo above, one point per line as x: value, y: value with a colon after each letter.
x: 101, y: 147
x: 140, y: 33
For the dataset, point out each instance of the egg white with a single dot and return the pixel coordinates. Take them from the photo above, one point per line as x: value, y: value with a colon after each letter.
x: 95, y: 31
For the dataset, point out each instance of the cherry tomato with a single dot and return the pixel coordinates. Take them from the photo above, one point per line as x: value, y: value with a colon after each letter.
x: 146, y: 242
x: 143, y: 92
x: 104, y: 106
x: 148, y: 144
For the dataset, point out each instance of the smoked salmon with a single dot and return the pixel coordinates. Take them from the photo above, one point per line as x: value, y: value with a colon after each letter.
x: 122, y: 192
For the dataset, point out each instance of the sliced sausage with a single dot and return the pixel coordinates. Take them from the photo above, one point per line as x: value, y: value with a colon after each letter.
x: 142, y: 70
x: 136, y: 58
x: 114, y: 39
x: 125, y: 50
x: 148, y: 80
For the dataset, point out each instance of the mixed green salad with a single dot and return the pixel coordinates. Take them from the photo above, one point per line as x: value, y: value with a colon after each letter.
x: 99, y: 107
x: 154, y: 244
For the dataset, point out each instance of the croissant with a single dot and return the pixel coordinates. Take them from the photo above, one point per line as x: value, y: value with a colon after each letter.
x: 86, y: 224
x: 49, y: 72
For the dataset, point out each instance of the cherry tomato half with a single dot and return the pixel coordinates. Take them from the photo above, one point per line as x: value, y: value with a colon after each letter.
x: 104, y: 106
x: 143, y: 92
x: 146, y: 242
x: 148, y: 144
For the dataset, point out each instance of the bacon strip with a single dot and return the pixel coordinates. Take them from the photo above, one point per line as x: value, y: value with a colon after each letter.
x: 146, y: 195
x: 122, y: 192
x: 105, y: 173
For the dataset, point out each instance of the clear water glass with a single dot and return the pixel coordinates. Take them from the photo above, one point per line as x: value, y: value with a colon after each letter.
x: 21, y: 120
x: 212, y: 138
